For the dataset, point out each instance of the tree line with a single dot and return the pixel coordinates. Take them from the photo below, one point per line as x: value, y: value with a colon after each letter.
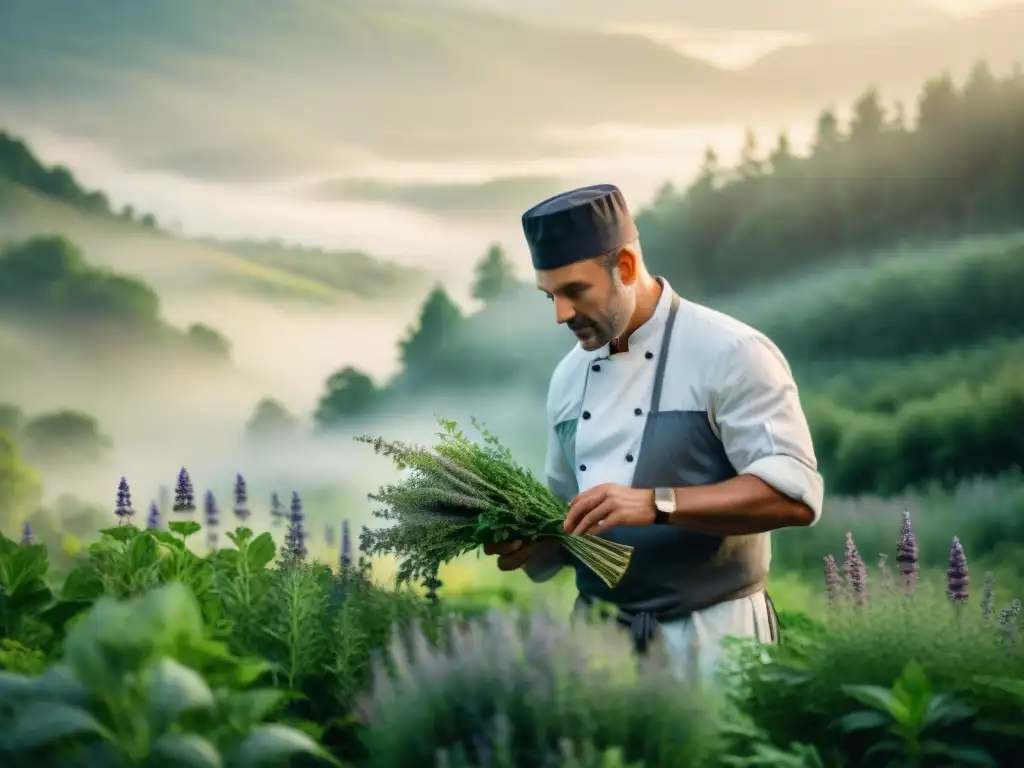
x: 956, y: 169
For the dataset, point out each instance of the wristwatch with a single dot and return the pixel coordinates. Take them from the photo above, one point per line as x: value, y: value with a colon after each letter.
x: 664, y: 505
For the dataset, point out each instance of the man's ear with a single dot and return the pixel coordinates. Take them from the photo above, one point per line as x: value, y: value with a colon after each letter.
x: 629, y: 265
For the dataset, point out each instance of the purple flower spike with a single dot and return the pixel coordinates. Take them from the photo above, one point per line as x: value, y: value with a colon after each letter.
x: 153, y: 521
x: 277, y: 510
x: 295, y: 540
x: 212, y: 517
x: 123, y: 503
x: 832, y: 578
x: 27, y: 537
x: 184, y: 496
x: 856, y: 571
x: 988, y: 596
x: 957, y: 576
x: 906, y: 555
x: 241, y: 499
x: 346, y: 545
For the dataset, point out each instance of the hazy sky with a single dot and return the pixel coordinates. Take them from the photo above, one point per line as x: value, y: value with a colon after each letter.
x: 967, y: 6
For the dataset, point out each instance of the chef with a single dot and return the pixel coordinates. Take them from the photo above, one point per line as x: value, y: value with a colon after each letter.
x: 672, y: 428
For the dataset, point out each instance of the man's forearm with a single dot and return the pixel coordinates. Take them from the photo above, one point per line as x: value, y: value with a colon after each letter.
x: 546, y: 564
x: 740, y: 506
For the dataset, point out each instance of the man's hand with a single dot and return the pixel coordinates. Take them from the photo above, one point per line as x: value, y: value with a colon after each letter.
x: 513, y: 555
x: 605, y: 506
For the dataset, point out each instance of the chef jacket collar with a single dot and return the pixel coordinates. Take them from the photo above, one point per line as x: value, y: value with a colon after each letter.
x: 641, y: 337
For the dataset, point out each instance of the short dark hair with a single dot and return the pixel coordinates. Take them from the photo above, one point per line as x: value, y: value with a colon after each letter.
x: 610, y: 260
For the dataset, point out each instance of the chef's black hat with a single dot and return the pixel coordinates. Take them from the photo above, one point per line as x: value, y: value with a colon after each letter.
x: 578, y: 225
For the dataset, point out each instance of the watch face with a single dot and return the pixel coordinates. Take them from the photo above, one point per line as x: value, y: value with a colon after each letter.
x: 664, y: 500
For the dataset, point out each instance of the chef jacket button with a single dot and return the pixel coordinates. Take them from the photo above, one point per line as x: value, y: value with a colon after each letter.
x: 637, y: 411
x: 648, y: 355
x: 629, y: 457
x: 595, y: 367
x: 586, y: 414
x: 583, y: 467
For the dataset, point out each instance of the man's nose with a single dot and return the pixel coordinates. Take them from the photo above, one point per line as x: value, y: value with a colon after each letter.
x: 564, y: 311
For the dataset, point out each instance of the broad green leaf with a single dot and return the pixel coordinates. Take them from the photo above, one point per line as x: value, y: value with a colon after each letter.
x: 60, y: 613
x: 273, y: 743
x: 168, y: 539
x: 59, y: 682
x: 43, y: 723
x: 172, y: 690
x: 83, y: 583
x: 14, y: 686
x: 86, y: 649
x: 962, y: 756
x: 142, y: 553
x: 251, y: 707
x: 260, y: 552
x: 184, y: 528
x: 1012, y: 686
x: 879, y: 748
x: 24, y: 565
x: 122, y: 533
x: 879, y: 698
x: 184, y: 749
x: 170, y: 614
x: 863, y: 721
x: 945, y: 709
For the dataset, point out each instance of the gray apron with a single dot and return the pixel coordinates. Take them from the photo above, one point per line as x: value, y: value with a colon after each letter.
x: 674, y: 572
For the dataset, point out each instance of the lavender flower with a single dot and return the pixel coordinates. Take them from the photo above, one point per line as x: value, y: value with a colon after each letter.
x: 295, y: 540
x: 883, y: 566
x: 856, y: 571
x: 123, y: 503
x: 153, y: 521
x: 211, y: 514
x: 957, y: 576
x: 277, y: 511
x: 832, y: 578
x: 184, y: 497
x: 329, y: 535
x: 241, y: 499
x: 988, y: 596
x: 906, y: 555
x: 346, y: 545
x: 27, y: 537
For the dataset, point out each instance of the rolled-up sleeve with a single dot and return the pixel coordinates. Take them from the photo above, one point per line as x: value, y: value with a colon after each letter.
x: 757, y: 410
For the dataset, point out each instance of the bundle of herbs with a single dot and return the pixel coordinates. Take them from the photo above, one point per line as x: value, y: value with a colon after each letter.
x: 460, y: 495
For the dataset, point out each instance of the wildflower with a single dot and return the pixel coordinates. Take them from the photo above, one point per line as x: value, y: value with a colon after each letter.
x: 988, y: 595
x: 211, y: 514
x: 184, y: 498
x: 123, y: 503
x: 295, y: 540
x: 831, y: 578
x: 153, y: 521
x: 883, y: 566
x: 856, y: 571
x: 906, y: 555
x: 277, y: 511
x: 329, y: 535
x: 346, y: 545
x: 241, y: 499
x: 27, y: 537
x: 957, y: 576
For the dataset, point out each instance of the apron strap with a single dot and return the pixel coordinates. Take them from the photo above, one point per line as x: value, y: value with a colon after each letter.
x: 659, y: 373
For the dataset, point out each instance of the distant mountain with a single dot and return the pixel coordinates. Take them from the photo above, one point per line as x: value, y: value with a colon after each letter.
x: 245, y: 88
x: 896, y: 61
x: 817, y: 17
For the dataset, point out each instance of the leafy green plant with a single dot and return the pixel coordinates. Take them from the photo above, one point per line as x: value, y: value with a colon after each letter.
x: 141, y: 684
x: 911, y: 714
x: 520, y: 687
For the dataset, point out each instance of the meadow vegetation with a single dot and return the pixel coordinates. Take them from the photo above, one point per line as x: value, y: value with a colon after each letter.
x: 177, y: 637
